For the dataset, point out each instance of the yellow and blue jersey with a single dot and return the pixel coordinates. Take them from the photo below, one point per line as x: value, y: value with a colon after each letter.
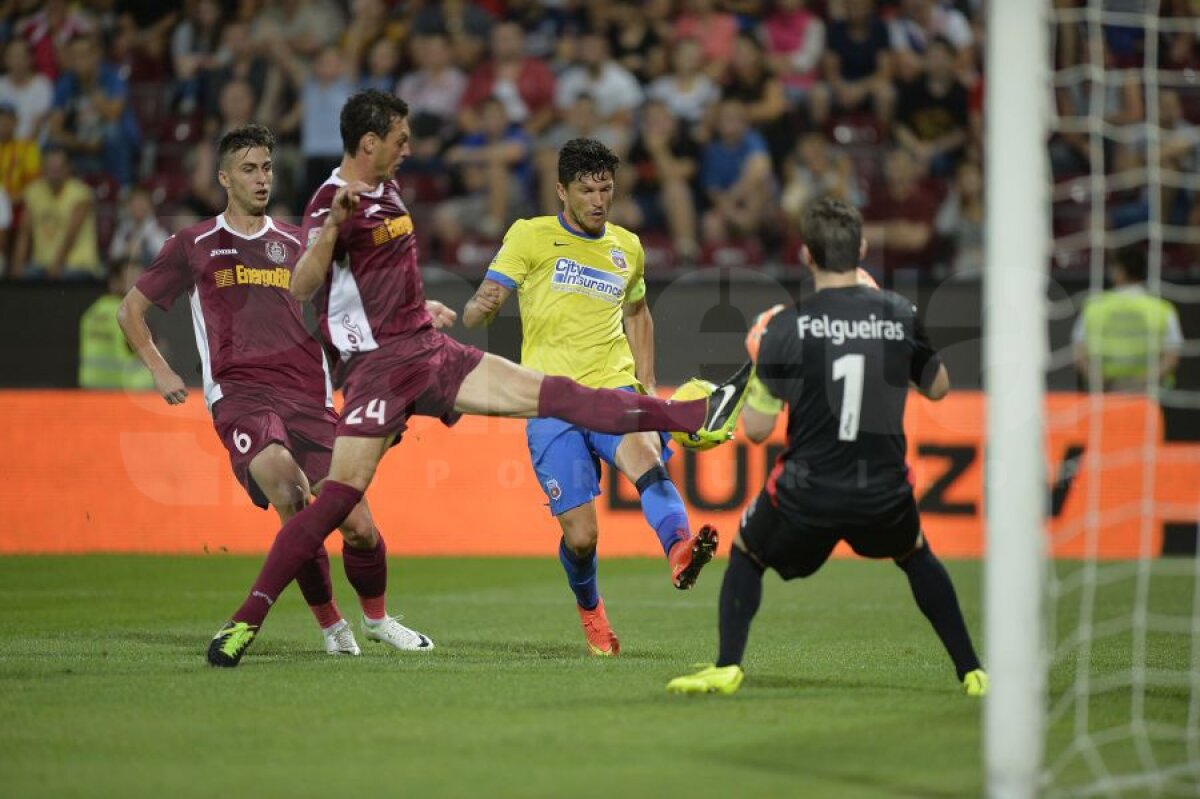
x: 571, y: 288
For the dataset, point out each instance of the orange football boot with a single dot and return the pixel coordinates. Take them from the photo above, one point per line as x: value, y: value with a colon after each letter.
x: 688, y: 556
x: 601, y: 639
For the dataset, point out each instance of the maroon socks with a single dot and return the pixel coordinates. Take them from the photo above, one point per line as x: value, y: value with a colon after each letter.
x: 608, y: 410
x: 314, y: 581
x: 366, y: 569
x: 295, y: 544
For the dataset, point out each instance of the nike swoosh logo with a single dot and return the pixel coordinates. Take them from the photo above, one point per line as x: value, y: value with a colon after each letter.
x: 319, y: 212
x: 726, y: 395
x: 561, y: 243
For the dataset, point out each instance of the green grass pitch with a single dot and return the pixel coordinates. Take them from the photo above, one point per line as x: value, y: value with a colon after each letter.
x: 104, y: 690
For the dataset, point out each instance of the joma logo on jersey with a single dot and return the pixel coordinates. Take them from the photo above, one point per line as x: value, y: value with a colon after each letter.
x: 394, y: 228
x: 240, y: 275
x: 215, y: 253
x: 576, y: 278
x: 841, y: 329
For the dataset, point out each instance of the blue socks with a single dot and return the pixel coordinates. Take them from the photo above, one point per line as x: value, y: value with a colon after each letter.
x: 662, y: 506
x: 581, y: 575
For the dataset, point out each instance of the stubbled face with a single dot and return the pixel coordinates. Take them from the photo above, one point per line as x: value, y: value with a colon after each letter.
x: 390, y: 151
x: 247, y: 175
x: 588, y: 200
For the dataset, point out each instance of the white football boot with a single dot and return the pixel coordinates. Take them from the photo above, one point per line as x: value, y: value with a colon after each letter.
x: 339, y: 640
x: 390, y: 631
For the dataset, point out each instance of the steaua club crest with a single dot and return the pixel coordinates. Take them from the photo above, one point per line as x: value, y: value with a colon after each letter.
x: 618, y: 259
x: 554, y: 489
x: 277, y: 251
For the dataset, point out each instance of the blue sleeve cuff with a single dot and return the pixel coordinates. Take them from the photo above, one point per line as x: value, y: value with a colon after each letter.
x: 501, y: 278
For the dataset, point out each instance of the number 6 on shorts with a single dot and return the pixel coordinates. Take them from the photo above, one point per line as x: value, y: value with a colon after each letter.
x: 376, y: 409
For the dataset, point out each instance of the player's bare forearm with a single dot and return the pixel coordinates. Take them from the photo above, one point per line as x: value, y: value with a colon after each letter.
x: 131, y: 316
x: 483, y: 307
x: 639, y: 329
x: 313, y: 266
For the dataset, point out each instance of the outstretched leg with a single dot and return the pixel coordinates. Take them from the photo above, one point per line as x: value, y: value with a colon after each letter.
x: 499, y: 387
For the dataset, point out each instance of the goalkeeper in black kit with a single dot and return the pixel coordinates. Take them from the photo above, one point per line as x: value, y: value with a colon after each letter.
x: 842, y: 362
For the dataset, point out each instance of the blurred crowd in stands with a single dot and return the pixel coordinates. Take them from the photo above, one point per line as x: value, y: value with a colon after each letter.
x: 729, y: 116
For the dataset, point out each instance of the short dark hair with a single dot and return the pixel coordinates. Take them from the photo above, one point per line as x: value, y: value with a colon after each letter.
x: 369, y: 111
x: 832, y: 231
x: 581, y: 158
x: 243, y: 138
x: 1132, y: 260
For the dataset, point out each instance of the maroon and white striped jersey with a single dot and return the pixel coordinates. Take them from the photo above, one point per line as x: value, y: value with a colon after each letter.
x: 374, y: 291
x: 249, y: 329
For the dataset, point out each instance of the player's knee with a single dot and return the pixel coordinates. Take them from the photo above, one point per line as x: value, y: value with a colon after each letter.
x: 581, y: 539
x: 359, y: 530
x: 288, y: 495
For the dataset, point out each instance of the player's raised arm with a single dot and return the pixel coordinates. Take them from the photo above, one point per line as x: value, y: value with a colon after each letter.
x: 639, y: 329
x: 482, y: 308
x: 313, y: 266
x: 131, y: 316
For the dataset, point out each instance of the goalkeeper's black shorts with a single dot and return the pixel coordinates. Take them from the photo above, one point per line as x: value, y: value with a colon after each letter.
x: 795, y: 549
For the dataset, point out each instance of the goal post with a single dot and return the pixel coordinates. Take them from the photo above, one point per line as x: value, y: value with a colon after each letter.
x: 1017, y: 253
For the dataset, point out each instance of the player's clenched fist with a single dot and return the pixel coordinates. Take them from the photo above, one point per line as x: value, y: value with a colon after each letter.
x: 754, y: 337
x: 346, y: 200
x: 443, y: 317
x: 171, y: 386
x: 488, y: 297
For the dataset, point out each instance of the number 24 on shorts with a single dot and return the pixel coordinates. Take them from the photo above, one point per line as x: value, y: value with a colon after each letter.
x: 375, y: 409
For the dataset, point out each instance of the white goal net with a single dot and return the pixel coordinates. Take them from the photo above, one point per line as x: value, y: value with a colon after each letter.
x: 1093, y: 628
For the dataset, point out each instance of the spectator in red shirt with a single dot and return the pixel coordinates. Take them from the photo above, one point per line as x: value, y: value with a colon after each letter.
x: 795, y: 40
x: 48, y: 32
x: 715, y: 31
x: 523, y: 85
x: 899, y: 217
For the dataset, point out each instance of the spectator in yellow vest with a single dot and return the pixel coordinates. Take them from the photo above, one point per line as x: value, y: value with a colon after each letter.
x: 1125, y: 336
x: 57, y: 240
x: 105, y: 360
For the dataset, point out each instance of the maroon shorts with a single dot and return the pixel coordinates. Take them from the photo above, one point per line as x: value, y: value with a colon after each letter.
x: 247, y: 424
x: 419, y: 374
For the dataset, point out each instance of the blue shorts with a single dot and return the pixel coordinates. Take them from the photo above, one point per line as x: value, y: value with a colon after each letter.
x: 566, y: 459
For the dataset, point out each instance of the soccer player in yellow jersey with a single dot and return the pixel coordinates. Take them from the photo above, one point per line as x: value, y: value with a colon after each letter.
x: 579, y: 281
